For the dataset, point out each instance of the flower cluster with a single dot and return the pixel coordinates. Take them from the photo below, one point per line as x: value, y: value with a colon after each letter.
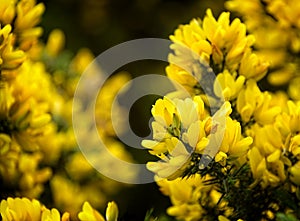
x: 37, y: 86
x: 25, y: 209
x: 270, y: 21
x: 226, y: 144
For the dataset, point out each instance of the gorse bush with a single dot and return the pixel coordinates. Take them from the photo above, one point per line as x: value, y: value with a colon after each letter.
x: 227, y: 141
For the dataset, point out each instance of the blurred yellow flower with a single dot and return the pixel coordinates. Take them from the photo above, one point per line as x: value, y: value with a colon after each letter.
x: 55, y: 42
x: 7, y: 11
x: 88, y: 213
x: 10, y: 58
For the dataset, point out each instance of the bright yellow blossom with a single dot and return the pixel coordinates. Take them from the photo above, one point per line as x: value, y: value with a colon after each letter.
x: 230, y: 86
x: 23, y: 209
x: 171, y: 166
x: 53, y: 215
x: 177, y: 128
x: 234, y: 144
x: 251, y: 102
x: 280, y: 20
x: 20, y: 209
x: 185, y: 195
x: 112, y: 211
x: 88, y: 213
x: 252, y: 66
x: 7, y: 11
x: 202, y: 47
x: 10, y: 58
x: 29, y: 14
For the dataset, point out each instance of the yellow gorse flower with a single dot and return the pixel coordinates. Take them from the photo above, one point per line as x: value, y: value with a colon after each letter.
x: 279, y: 19
x: 36, y: 98
x: 230, y: 86
x: 88, y: 213
x: 23, y: 209
x: 177, y: 128
x: 184, y: 195
x: 10, y: 58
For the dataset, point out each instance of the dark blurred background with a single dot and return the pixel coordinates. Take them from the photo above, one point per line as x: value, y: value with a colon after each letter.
x: 101, y: 24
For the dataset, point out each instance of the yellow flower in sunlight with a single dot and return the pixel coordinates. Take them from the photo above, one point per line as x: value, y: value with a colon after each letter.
x: 229, y: 41
x: 89, y: 214
x: 29, y: 14
x: 246, y: 100
x: 221, y: 158
x: 251, y: 102
x: 268, y: 139
x: 265, y: 113
x: 193, y: 36
x: 190, y: 130
x: 234, y: 144
x: 259, y: 168
x: 7, y: 11
x: 185, y: 195
x: 112, y: 211
x: 288, y: 121
x: 21, y: 209
x: 177, y: 128
x: 53, y: 215
x: 216, y: 44
x: 230, y: 86
x: 214, y: 128
x: 252, y: 66
x: 173, y: 165
x: 163, y: 112
x: 10, y: 58
x: 279, y: 19
x: 266, y: 157
x: 184, y: 78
